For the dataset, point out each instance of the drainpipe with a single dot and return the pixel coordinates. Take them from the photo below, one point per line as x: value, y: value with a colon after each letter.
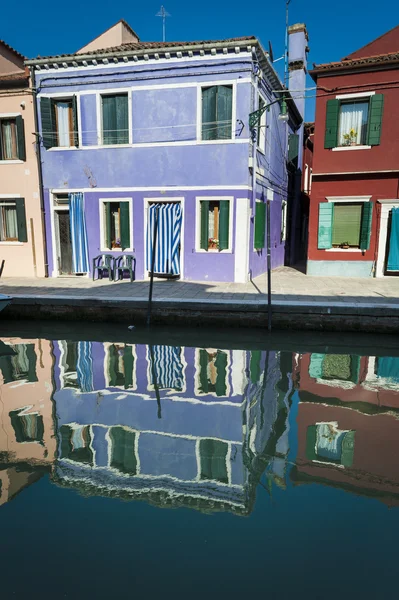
x: 39, y: 168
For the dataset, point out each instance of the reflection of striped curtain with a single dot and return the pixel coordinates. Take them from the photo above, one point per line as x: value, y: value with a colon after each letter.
x: 80, y: 254
x: 168, y: 367
x: 167, y: 254
x: 84, y: 367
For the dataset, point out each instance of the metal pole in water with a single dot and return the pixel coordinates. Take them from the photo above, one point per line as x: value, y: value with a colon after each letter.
x: 269, y: 271
x: 155, y: 380
x: 154, y: 246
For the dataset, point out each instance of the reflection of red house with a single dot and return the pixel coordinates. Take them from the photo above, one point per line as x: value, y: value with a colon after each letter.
x: 360, y: 405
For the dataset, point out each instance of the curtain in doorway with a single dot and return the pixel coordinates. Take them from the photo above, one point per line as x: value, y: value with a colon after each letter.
x: 80, y: 254
x: 393, y: 256
x: 167, y: 253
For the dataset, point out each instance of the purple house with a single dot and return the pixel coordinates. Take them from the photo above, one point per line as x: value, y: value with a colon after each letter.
x: 142, y: 131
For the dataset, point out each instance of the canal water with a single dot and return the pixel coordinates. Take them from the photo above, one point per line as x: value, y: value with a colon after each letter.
x: 219, y: 464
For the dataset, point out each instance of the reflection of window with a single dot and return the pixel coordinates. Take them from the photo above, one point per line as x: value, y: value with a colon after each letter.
x: 75, y: 443
x: 166, y: 367
x: 326, y: 443
x: 116, y: 225
x: 21, y: 366
x: 343, y: 367
x: 213, y: 454
x: 27, y: 428
x: 70, y: 365
x: 213, y: 372
x: 123, y: 455
x: 120, y: 364
x: 214, y: 224
x: 217, y: 103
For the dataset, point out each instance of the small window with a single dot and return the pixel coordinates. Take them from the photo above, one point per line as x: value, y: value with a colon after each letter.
x: 347, y: 219
x: 117, y: 217
x: 123, y: 457
x: 217, y: 107
x: 9, y: 140
x: 115, y: 119
x: 213, y: 455
x: 353, y: 121
x: 75, y: 443
x: 262, y: 127
x: 8, y: 221
x: 59, y: 122
x: 27, y: 427
x: 283, y: 220
x: 212, y: 372
x: 120, y: 366
x: 64, y: 123
x: 215, y: 230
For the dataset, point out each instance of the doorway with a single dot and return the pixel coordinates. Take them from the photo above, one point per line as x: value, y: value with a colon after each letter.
x: 168, y: 253
x: 384, y: 241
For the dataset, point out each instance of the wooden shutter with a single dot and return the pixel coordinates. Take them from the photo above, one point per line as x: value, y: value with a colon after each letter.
x: 204, y: 242
x: 311, y: 438
x: 316, y: 365
x: 348, y: 449
x: 293, y: 148
x: 32, y: 359
x: 365, y: 230
x: 20, y: 138
x: 203, y: 375
x: 260, y: 225
x: 224, y: 107
x: 332, y: 115
x: 128, y: 363
x: 109, y: 120
x: 224, y: 224
x: 325, y: 225
x: 254, y: 366
x: 355, y: 368
x: 47, y: 113
x: 375, y: 119
x: 209, y: 128
x: 221, y: 373
x: 125, y: 225
x: 107, y: 224
x: 21, y: 220
x: 75, y: 121
x: 122, y: 119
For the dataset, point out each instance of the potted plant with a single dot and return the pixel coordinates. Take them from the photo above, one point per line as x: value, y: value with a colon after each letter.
x: 345, y: 245
x: 213, y: 244
x: 350, y: 138
x: 116, y: 243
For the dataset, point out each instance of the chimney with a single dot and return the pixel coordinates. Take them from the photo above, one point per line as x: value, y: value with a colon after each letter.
x: 297, y: 63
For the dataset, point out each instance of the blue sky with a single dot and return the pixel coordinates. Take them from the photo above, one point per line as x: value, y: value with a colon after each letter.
x: 335, y: 30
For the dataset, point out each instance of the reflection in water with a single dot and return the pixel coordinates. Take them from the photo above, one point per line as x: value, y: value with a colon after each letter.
x: 197, y: 427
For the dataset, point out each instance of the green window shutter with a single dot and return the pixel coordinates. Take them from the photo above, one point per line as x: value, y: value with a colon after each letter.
x: 21, y: 138
x: 332, y: 116
x: 293, y: 147
x: 21, y: 220
x: 107, y: 210
x: 109, y: 120
x: 75, y: 121
x: 48, y: 122
x: 365, y: 230
x: 375, y: 119
x: 224, y: 218
x: 355, y: 368
x: 346, y: 224
x: 122, y: 119
x: 128, y: 364
x: 209, y: 128
x: 254, y: 366
x: 224, y: 109
x: 221, y: 370
x: 32, y: 359
x: 316, y: 365
x: 125, y: 225
x: 348, y: 449
x: 325, y: 225
x: 260, y: 225
x: 204, y: 224
x: 203, y: 375
x: 311, y: 437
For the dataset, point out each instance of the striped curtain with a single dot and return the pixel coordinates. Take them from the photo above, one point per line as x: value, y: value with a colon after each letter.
x: 84, y: 367
x: 167, y: 253
x: 168, y: 367
x: 80, y: 254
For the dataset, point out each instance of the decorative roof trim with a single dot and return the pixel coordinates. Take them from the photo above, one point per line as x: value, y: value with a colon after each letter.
x: 356, y: 63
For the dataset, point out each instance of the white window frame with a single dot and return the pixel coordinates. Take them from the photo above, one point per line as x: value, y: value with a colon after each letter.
x: 198, y: 201
x: 200, y: 86
x: 101, y: 202
x: 262, y: 128
x: 99, y: 95
x: 355, y: 96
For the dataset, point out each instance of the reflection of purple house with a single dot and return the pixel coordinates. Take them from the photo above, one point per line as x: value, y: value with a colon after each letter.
x: 145, y: 126
x: 191, y: 447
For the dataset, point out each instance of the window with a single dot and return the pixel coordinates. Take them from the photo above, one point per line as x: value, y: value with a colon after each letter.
x: 283, y: 220
x: 115, y: 119
x: 262, y: 127
x: 69, y: 363
x: 21, y: 366
x: 120, y: 365
x: 354, y: 121
x: 215, y: 225
x: 212, y: 372
x: 337, y: 367
x: 123, y: 456
x: 260, y: 225
x: 75, y: 443
x: 13, y: 220
x: 217, y: 106
x: 27, y: 428
x: 59, y: 122
x: 116, y: 219
x: 213, y: 454
x: 345, y: 225
x: 12, y: 138
x: 293, y: 149
x: 325, y: 442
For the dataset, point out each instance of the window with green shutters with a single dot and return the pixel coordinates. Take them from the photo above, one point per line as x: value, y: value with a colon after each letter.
x: 217, y: 107
x: 354, y: 121
x: 345, y: 225
x: 13, y: 220
x: 115, y: 119
x: 213, y: 372
x: 215, y: 225
x: 12, y: 139
x: 116, y: 225
x: 59, y: 122
x: 120, y: 361
x: 260, y: 225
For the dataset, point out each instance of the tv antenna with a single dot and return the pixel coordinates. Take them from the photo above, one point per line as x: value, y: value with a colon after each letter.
x: 163, y: 13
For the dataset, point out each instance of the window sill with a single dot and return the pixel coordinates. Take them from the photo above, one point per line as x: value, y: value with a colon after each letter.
x: 11, y: 243
x: 107, y: 250
x: 58, y: 148
x: 343, y: 250
x: 213, y: 251
x: 14, y: 161
x: 344, y: 148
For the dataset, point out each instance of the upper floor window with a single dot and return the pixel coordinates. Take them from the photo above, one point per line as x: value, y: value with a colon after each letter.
x: 115, y: 119
x: 59, y: 122
x: 217, y: 108
x: 12, y: 138
x: 354, y: 121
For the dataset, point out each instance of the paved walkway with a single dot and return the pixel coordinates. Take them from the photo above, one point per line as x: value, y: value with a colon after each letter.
x: 287, y: 285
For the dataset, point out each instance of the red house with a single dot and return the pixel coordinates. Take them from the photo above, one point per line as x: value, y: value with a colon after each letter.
x: 354, y: 208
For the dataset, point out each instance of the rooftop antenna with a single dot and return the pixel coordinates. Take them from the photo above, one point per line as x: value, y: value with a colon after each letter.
x: 163, y: 13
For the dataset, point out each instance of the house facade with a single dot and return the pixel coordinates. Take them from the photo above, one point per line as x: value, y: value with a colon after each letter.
x: 354, y: 216
x: 22, y: 250
x: 141, y: 130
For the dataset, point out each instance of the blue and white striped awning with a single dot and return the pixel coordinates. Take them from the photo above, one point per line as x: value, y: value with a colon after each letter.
x: 167, y: 252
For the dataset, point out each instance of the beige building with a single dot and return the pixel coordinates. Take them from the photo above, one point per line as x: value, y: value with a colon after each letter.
x: 21, y: 231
